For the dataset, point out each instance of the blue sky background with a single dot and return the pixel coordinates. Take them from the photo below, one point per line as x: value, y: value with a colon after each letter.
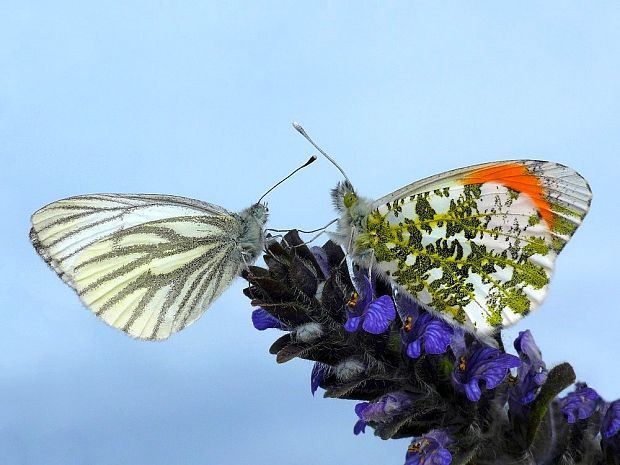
x: 196, y: 99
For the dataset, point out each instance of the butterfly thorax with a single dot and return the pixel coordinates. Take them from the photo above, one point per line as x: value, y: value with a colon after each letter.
x: 252, y: 237
x: 353, y: 213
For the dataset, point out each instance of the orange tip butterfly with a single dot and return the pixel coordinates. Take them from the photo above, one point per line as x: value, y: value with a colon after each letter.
x: 476, y: 246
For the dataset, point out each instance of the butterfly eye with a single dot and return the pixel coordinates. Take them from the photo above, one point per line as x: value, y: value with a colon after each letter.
x: 349, y: 199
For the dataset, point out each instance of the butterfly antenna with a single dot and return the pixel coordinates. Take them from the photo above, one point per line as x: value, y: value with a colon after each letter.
x: 303, y: 132
x: 312, y: 159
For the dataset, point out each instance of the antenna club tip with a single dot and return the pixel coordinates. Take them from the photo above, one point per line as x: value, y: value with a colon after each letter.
x: 311, y: 160
x: 298, y: 127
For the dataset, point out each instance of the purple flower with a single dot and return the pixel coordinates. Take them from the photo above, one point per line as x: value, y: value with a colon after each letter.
x: 611, y: 420
x: 381, y: 410
x: 420, y: 328
x: 321, y: 258
x: 319, y: 370
x: 262, y: 319
x: 458, y: 345
x: 484, y: 364
x: 579, y: 404
x: 430, y: 449
x: 374, y: 315
x: 532, y: 372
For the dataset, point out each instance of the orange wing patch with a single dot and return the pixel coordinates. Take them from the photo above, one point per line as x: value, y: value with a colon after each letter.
x: 516, y: 177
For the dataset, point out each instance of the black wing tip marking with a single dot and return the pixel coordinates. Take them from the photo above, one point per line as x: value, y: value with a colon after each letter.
x: 39, y: 247
x: 47, y: 258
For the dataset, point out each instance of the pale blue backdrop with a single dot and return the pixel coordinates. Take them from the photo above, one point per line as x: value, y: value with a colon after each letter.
x: 196, y: 99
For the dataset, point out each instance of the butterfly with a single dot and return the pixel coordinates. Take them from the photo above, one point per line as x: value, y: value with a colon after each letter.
x: 476, y: 246
x: 148, y: 264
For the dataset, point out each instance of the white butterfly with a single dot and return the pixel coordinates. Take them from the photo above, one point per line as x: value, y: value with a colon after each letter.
x: 148, y: 264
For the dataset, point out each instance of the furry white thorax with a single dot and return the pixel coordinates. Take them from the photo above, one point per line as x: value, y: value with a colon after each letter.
x: 350, y: 223
x: 252, y: 236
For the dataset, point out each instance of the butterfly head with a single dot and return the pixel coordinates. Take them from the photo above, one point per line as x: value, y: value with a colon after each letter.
x: 259, y: 213
x: 344, y: 196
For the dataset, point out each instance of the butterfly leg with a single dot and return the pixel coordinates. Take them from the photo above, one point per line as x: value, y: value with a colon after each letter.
x: 321, y: 231
x: 312, y: 239
x: 349, y: 245
x: 370, y: 260
x: 271, y: 239
x: 245, y: 263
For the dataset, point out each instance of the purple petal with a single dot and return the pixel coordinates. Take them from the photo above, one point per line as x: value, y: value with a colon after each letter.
x: 406, y: 306
x: 526, y: 346
x: 496, y: 370
x: 321, y: 258
x: 581, y: 403
x: 531, y: 356
x: 472, y: 390
x: 414, y: 349
x: 397, y: 402
x: 583, y: 412
x: 532, y: 373
x: 352, y: 324
x: 378, y: 315
x: 611, y: 421
x: 375, y: 411
x: 458, y: 342
x: 527, y: 388
x: 439, y: 437
x: 540, y: 378
x: 437, y: 336
x: 491, y: 365
x: 487, y: 364
x: 361, y: 408
x: 360, y: 427
x: 262, y: 319
x: 430, y: 449
x: 318, y: 373
x: 441, y: 457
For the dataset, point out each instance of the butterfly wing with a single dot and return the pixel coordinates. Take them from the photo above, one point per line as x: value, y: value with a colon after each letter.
x: 478, y: 244
x: 146, y: 264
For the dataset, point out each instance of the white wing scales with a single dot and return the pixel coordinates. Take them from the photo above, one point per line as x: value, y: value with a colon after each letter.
x: 477, y: 245
x: 147, y: 264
